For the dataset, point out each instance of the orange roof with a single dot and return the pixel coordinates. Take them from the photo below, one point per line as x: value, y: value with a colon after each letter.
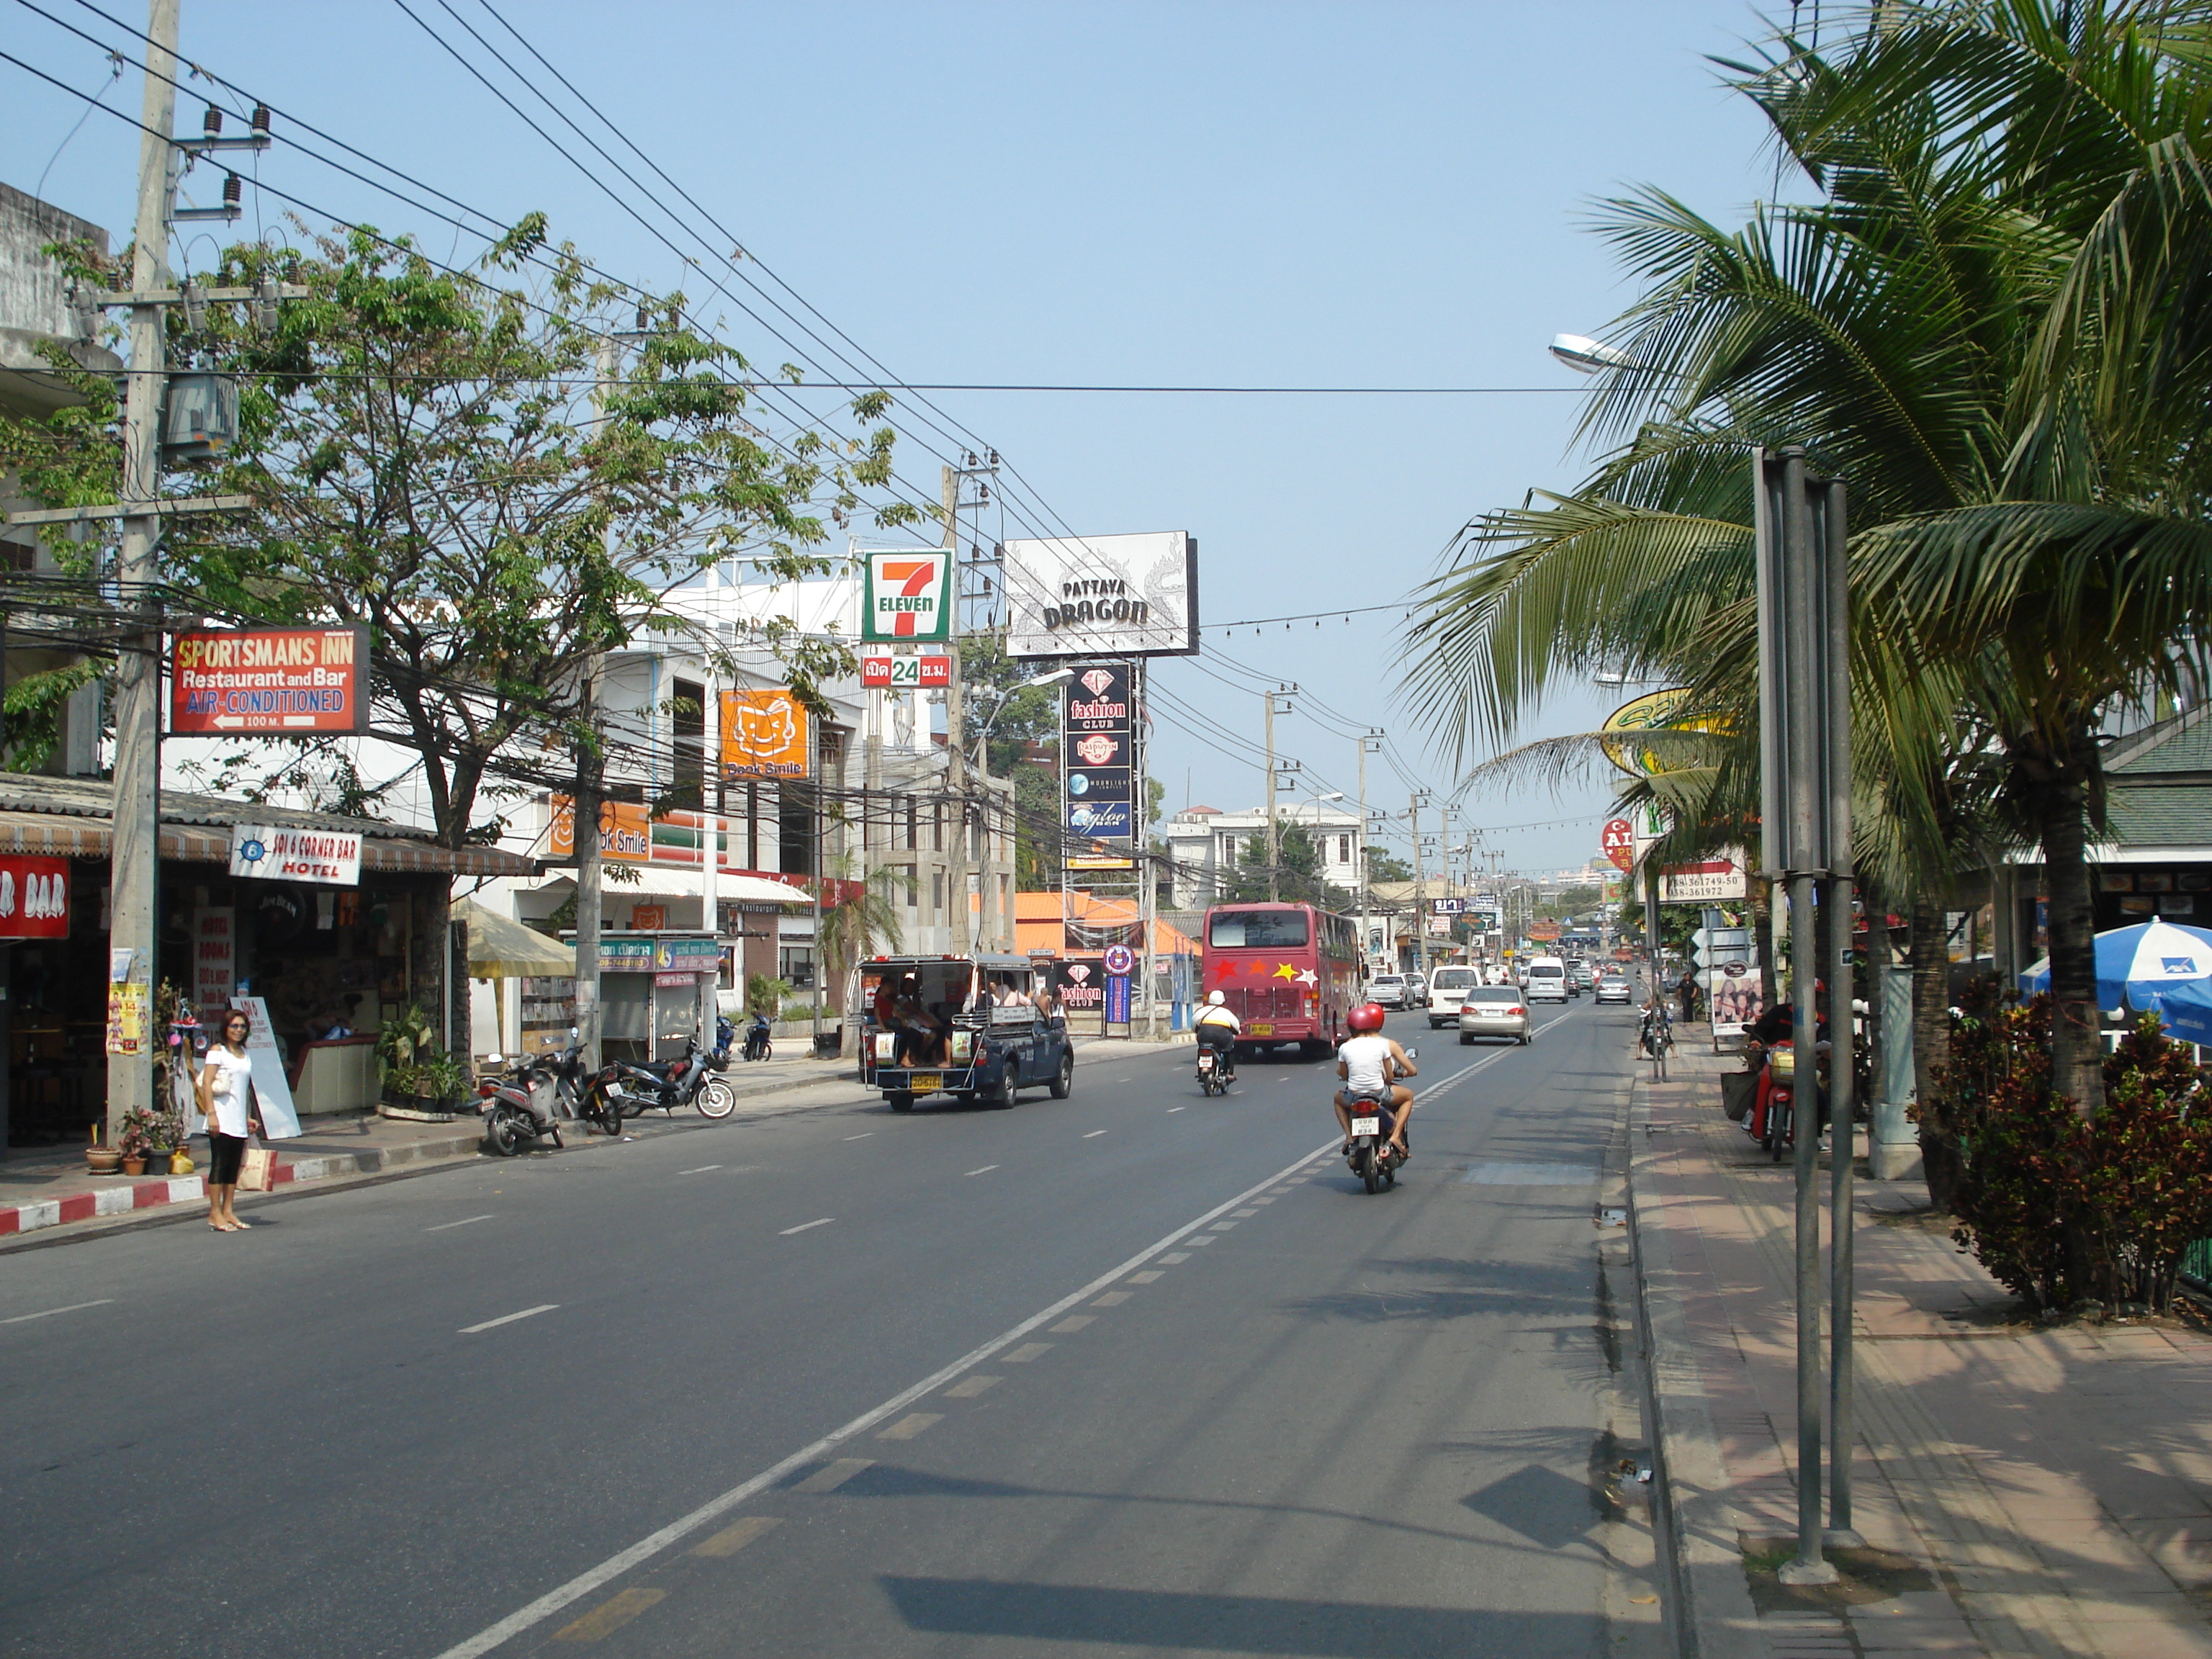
x: 1037, y: 921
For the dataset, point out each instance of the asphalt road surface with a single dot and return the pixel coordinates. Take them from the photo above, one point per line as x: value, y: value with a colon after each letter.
x: 1135, y: 1372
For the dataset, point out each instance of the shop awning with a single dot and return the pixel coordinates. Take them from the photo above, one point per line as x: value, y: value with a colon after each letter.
x: 502, y: 949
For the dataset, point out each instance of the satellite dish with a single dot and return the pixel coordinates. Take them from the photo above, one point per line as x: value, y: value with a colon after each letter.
x: 1589, y: 356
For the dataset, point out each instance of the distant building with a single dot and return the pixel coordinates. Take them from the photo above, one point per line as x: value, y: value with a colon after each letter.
x: 1208, y: 846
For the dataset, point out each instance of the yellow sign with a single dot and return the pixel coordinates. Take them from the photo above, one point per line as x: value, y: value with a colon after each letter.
x: 764, y: 734
x: 1653, y: 712
x: 126, y: 1017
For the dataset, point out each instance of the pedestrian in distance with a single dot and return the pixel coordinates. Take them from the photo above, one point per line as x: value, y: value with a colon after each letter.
x: 226, y: 1094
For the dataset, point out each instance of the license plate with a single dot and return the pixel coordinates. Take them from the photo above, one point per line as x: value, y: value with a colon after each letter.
x: 1366, y: 1126
x: 1261, y: 1028
x: 1206, y: 1059
x: 929, y: 1083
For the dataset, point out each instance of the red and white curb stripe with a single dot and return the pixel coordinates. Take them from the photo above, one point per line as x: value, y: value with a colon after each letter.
x: 153, y: 1194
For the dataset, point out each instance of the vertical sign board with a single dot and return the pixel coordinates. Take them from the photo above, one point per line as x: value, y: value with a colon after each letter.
x: 764, y: 734
x: 289, y: 682
x: 909, y: 595
x: 214, y: 957
x: 1099, y: 764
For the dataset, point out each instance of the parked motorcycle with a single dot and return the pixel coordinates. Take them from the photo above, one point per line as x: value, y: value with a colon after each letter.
x: 666, y: 1085
x: 508, y: 1103
x: 759, y: 1043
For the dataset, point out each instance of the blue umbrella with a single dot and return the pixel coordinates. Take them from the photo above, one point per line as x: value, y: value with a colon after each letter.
x: 2154, y: 967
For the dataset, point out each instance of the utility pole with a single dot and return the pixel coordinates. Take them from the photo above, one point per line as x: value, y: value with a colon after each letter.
x: 136, y: 845
x: 1370, y: 744
x: 956, y: 780
x: 1420, y: 916
x: 1274, y: 836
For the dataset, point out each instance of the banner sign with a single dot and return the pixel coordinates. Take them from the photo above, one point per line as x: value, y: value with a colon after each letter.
x: 284, y: 681
x: 625, y: 830
x: 1085, y: 596
x: 1100, y: 783
x: 34, y: 897
x: 909, y: 595
x: 1702, y: 883
x: 1079, y: 984
x: 880, y: 669
x: 764, y: 734
x: 1099, y: 764
x: 1117, y: 998
x: 214, y: 957
x: 262, y: 852
x: 1102, y: 820
x: 1617, y: 840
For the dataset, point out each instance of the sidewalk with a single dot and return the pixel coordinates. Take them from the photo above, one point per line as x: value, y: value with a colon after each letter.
x: 46, y: 1186
x: 2021, y: 1489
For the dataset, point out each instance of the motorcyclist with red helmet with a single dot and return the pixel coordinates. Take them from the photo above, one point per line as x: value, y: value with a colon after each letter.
x: 1371, y: 1065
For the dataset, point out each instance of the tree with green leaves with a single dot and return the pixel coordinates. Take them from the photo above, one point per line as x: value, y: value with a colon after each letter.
x: 859, y: 920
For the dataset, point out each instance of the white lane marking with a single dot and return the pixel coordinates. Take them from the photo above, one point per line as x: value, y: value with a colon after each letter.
x: 1172, y: 1110
x: 536, y: 1612
x: 1203, y: 1239
x: 834, y: 1475
x: 48, y: 1313
x: 702, y: 1169
x: 1072, y: 1322
x: 1242, y: 1214
x: 1094, y: 1135
x: 1115, y: 1298
x: 1147, y: 1276
x: 1027, y: 1352
x: 986, y: 1170
x: 804, y: 1226
x: 860, y: 1137
x: 968, y: 1387
x: 465, y: 1221
x: 508, y: 1319
x: 1178, y: 1256
x: 909, y: 1425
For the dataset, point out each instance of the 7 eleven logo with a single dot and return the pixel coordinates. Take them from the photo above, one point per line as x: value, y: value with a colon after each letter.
x: 906, y: 593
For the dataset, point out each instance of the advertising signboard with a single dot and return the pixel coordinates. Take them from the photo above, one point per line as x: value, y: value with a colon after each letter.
x: 33, y: 896
x: 1117, y: 998
x: 909, y: 595
x: 1099, y: 744
x: 1102, y: 820
x: 292, y: 681
x: 1100, y: 783
x: 1706, y: 882
x: 1096, y: 596
x: 1617, y: 840
x: 764, y: 733
x: 625, y: 830
x: 268, y: 852
x: 1079, y: 984
x: 879, y: 669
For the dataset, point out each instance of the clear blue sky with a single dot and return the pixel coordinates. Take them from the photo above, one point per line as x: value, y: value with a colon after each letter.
x: 1184, y: 193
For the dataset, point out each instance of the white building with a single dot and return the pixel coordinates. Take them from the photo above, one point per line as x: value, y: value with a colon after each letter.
x: 1208, y: 846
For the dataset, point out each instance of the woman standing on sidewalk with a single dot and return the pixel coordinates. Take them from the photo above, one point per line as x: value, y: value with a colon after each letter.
x: 226, y: 1091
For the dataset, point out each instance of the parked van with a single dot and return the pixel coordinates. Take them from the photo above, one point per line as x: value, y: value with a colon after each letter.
x: 1547, y: 980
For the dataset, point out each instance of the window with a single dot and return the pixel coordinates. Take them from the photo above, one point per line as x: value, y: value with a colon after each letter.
x: 689, y: 727
x: 911, y: 842
x: 1262, y: 930
x: 937, y: 892
x: 936, y: 826
x: 794, y: 833
x: 1344, y: 849
x: 795, y: 966
x: 912, y: 893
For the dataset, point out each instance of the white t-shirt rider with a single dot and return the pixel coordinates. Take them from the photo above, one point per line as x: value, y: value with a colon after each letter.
x: 1363, y: 1057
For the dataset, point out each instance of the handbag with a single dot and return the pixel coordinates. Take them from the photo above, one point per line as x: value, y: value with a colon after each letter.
x: 257, y: 1173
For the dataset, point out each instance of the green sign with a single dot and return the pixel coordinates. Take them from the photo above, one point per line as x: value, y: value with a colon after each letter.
x: 909, y: 595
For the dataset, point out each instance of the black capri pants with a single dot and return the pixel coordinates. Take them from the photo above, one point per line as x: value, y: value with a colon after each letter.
x: 225, y: 1155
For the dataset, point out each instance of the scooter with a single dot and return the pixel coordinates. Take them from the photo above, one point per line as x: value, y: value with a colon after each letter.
x: 1372, y: 1156
x: 508, y: 1104
x: 759, y: 1044
x: 1215, y: 1072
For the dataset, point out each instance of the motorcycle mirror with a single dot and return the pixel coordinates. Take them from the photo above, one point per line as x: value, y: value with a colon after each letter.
x: 1413, y: 1053
x: 493, y: 1059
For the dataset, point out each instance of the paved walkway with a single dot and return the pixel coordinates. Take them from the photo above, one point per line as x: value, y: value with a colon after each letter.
x: 2022, y: 1490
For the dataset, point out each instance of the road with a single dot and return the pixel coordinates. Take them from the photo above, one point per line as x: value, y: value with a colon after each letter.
x: 1134, y: 1372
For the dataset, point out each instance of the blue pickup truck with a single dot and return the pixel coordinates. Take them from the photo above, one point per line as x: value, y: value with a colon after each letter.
x: 979, y: 1028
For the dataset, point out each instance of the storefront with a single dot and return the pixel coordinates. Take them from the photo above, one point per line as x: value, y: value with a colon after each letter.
x: 321, y: 954
x: 649, y: 992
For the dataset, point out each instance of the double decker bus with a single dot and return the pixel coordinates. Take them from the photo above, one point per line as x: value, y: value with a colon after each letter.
x: 1289, y: 972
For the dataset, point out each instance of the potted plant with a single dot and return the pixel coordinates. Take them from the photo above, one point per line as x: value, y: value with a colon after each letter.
x: 136, y: 1140
x: 102, y: 1160
x: 420, y: 1079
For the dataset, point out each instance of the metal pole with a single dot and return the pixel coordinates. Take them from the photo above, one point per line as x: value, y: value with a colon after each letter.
x: 1274, y: 850
x: 136, y: 847
x: 1365, y: 966
x: 956, y: 877
x: 589, y: 764
x: 819, y: 956
x: 710, y: 843
x: 1842, y: 1047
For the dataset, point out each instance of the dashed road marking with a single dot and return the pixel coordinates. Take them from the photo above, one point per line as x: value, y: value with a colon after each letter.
x: 1178, y: 1256
x: 1027, y: 1352
x: 910, y: 1425
x: 968, y: 1387
x: 1221, y: 1226
x: 48, y: 1313
x: 986, y: 1170
x: 1257, y: 1201
x: 860, y: 1137
x: 1201, y: 1239
x: 465, y: 1221
x: 1072, y: 1322
x: 1240, y: 1214
x: 830, y: 1476
x: 702, y: 1169
x: 1172, y: 1110
x: 508, y: 1319
x: 731, y: 1540
x: 610, y: 1615
x: 1146, y: 1278
x: 805, y: 1225
x: 1112, y: 1298
x: 1094, y: 1135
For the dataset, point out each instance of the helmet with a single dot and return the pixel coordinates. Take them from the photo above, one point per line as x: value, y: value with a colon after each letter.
x: 1214, y: 999
x: 1367, y: 1017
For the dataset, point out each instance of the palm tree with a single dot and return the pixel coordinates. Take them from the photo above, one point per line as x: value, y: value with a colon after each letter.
x: 1987, y: 325
x: 859, y: 920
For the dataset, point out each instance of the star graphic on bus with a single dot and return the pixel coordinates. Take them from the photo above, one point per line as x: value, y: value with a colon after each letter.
x: 1286, y: 971
x: 1308, y: 977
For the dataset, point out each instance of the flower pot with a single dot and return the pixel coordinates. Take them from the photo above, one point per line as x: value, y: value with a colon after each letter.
x: 134, y: 1166
x: 102, y: 1160
x: 180, y: 1162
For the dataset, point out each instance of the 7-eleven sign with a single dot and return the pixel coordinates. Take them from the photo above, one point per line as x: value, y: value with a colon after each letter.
x: 909, y: 595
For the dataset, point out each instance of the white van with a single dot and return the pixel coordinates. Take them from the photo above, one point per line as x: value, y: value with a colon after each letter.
x: 1547, y: 980
x: 1447, y: 988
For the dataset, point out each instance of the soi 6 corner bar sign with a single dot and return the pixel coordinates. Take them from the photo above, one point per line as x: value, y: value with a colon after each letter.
x: 289, y: 680
x: 267, y: 853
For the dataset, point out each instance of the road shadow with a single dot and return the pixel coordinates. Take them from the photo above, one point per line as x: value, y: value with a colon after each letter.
x: 1178, y: 1620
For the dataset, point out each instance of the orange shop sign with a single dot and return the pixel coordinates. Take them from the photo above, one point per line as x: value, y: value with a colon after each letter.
x: 292, y: 681
x: 764, y: 734
x: 625, y: 830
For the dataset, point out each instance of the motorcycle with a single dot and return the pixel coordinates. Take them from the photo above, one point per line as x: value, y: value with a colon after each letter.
x: 1214, y: 1076
x: 1372, y: 1157
x: 759, y: 1043
x: 508, y: 1104
x: 666, y: 1085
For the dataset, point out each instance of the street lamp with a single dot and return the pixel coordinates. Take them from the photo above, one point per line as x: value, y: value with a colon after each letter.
x: 1587, y: 357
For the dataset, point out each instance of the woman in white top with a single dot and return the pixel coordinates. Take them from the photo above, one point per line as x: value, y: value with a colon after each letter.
x: 226, y: 1091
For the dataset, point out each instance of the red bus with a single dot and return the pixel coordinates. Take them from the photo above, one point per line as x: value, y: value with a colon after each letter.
x: 1289, y: 972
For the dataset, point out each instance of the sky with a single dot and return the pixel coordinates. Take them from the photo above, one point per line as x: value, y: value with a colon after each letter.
x: 1188, y: 194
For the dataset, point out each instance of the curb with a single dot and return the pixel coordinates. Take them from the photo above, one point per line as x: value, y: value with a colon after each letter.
x: 1699, y: 1556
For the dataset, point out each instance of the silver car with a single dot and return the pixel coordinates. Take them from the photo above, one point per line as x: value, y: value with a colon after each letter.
x: 1612, y: 988
x: 1387, y: 990
x: 1495, y: 1011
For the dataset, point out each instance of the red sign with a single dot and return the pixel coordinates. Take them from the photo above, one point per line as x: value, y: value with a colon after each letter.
x: 1619, y: 840
x: 287, y: 681
x: 34, y: 897
x: 902, y: 672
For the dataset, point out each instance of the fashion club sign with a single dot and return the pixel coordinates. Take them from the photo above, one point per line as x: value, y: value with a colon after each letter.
x: 1099, y: 764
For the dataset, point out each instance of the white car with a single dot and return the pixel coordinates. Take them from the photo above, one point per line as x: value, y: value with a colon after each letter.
x: 1547, y: 980
x: 1387, y: 990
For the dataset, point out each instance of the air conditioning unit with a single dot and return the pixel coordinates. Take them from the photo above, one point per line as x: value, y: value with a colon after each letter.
x: 200, y: 419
